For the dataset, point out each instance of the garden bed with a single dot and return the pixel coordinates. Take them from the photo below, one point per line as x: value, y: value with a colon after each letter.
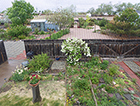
x: 111, y: 86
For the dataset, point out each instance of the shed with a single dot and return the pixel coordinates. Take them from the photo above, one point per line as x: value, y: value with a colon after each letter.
x: 43, y: 25
x: 39, y: 23
x: 51, y: 26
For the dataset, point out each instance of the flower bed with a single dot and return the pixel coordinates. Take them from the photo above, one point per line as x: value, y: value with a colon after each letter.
x: 110, y: 86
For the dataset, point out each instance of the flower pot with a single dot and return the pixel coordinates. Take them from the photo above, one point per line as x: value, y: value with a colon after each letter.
x: 57, y: 58
x: 33, y: 85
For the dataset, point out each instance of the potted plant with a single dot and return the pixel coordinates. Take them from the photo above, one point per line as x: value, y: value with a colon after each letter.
x: 34, y: 82
x: 35, y: 79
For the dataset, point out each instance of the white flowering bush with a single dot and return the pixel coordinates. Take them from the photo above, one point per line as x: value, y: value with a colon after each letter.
x: 74, y: 48
x: 20, y: 74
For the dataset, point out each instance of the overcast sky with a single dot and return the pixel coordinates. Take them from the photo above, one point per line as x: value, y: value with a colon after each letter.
x: 81, y: 5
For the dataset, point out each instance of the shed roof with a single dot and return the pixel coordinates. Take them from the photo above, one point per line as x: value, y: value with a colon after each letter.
x: 38, y: 20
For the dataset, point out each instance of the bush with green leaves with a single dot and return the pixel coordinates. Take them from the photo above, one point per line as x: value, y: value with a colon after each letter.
x: 18, y: 31
x: 113, y: 69
x: 60, y: 33
x: 104, y: 64
x: 39, y: 63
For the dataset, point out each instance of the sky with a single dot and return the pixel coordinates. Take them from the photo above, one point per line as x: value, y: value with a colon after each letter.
x: 81, y: 5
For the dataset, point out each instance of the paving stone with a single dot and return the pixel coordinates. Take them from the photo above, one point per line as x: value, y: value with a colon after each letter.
x: 126, y: 90
x: 101, y: 84
x: 58, y: 66
x: 126, y: 82
x: 110, y: 95
x: 127, y: 96
x: 118, y: 96
x: 101, y: 80
x: 133, y: 66
x: 130, y: 89
x: 121, y: 76
x: 135, y: 95
x: 94, y: 86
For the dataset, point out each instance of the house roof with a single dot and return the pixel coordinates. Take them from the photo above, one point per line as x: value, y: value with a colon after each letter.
x: 38, y: 20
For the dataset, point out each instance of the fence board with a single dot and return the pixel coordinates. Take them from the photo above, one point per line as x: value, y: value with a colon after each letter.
x: 104, y: 48
x: 3, y: 56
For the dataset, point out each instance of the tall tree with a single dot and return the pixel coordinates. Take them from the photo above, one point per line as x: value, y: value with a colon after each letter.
x: 91, y: 11
x: 20, y: 12
x: 126, y: 23
x: 63, y: 16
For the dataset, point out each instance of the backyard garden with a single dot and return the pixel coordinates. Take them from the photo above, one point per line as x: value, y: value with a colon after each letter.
x: 94, y: 82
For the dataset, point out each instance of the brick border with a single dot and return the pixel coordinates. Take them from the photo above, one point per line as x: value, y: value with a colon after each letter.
x: 129, y: 72
x: 137, y: 62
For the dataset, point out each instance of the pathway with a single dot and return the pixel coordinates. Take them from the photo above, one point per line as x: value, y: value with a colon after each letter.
x: 130, y: 69
x: 81, y: 33
x: 6, y: 70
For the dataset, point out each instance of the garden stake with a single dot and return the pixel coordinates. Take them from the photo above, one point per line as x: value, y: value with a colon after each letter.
x: 93, y: 93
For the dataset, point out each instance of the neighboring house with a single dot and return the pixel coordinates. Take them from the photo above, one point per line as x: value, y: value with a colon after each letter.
x: 43, y: 25
x: 138, y: 12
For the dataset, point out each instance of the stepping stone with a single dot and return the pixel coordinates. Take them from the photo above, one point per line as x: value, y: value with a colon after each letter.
x: 58, y: 66
x: 126, y: 82
x: 94, y: 86
x: 118, y: 96
x: 133, y: 66
x: 101, y: 84
x: 135, y: 95
x: 121, y: 76
x: 130, y: 89
x: 117, y: 85
x: 101, y: 80
x: 110, y: 95
x: 127, y: 96
x: 126, y: 90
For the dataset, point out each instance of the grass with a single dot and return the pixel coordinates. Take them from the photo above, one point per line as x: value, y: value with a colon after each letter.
x: 14, y: 100
x: 20, y: 94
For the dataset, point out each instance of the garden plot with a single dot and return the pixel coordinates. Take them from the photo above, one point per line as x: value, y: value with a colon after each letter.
x: 110, y: 85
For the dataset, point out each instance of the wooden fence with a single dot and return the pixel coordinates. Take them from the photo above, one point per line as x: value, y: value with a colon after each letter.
x: 103, y: 48
x: 3, y: 56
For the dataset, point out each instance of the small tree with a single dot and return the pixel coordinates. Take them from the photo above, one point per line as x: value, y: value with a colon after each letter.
x: 126, y: 23
x: 20, y: 12
x: 63, y: 17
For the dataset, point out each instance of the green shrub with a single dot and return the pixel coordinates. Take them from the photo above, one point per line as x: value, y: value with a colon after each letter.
x: 82, y: 84
x: 21, y: 37
x: 39, y: 63
x: 47, y: 38
x: 104, y: 64
x: 103, y: 28
x: 103, y: 22
x: 18, y: 30
x: 6, y: 25
x: 59, y: 34
x: 36, y: 31
x: 113, y: 69
x: 42, y: 32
